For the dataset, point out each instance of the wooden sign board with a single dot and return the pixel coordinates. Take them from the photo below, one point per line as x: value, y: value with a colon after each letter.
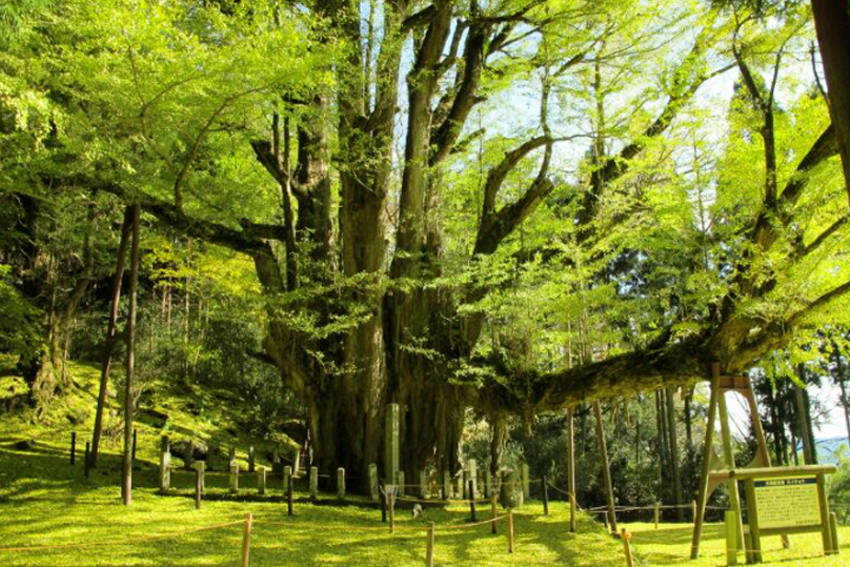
x: 787, y: 502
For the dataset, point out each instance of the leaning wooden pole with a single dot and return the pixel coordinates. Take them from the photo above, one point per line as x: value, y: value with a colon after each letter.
x: 729, y: 457
x: 707, y: 453
x: 571, y: 469
x: 127, y: 473
x: 111, y: 333
x: 606, y: 470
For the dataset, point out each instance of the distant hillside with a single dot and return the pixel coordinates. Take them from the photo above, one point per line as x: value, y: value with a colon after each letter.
x: 830, y: 449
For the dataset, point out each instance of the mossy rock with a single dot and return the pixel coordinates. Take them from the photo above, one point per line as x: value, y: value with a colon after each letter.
x: 510, y: 495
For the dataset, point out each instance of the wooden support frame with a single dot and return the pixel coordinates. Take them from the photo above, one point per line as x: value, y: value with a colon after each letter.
x: 721, y: 385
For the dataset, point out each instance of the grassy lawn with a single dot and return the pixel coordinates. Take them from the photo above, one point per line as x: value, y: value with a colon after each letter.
x: 671, y: 543
x: 45, y: 501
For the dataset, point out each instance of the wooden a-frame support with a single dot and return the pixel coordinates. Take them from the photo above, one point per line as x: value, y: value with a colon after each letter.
x: 720, y: 386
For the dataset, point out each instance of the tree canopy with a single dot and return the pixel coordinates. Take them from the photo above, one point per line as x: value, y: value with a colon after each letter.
x: 510, y: 206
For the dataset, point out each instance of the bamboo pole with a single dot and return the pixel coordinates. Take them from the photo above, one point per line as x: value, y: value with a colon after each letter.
x: 429, y: 553
x: 627, y: 547
x: 390, y: 510
x: 246, y: 539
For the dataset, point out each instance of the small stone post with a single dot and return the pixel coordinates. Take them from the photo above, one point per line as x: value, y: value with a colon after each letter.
x: 234, y: 477
x: 261, y: 480
x: 373, y: 482
x: 314, y: 482
x: 447, y: 485
x: 423, y: 484
x: 526, y: 482
x: 296, y: 461
x: 164, y: 464
x: 400, y: 482
x: 340, y: 483
x: 251, y: 459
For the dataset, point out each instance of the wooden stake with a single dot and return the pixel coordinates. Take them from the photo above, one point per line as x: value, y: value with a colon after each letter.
x: 627, y: 547
x: 494, y: 513
x: 657, y: 513
x: 472, y: 517
x: 833, y: 528
x: 694, y: 510
x: 73, y: 447
x: 545, y: 496
x: 133, y: 456
x: 289, y: 496
x: 87, y: 462
x: 390, y: 510
x: 246, y: 538
x: 510, y: 531
x: 429, y: 552
x: 198, y: 488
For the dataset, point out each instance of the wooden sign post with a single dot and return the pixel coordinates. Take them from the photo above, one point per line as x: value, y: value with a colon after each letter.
x: 784, y: 500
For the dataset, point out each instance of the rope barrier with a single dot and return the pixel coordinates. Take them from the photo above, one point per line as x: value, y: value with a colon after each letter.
x: 126, y: 541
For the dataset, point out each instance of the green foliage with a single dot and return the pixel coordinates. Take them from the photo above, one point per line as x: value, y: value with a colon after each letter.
x: 20, y: 326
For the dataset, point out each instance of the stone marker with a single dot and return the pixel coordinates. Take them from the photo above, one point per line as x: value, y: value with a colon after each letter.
x: 164, y: 464
x: 234, y: 477
x: 261, y: 480
x: 423, y: 484
x: 447, y: 485
x: 340, y: 483
x: 314, y: 482
x: 526, y: 482
x: 373, y: 482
